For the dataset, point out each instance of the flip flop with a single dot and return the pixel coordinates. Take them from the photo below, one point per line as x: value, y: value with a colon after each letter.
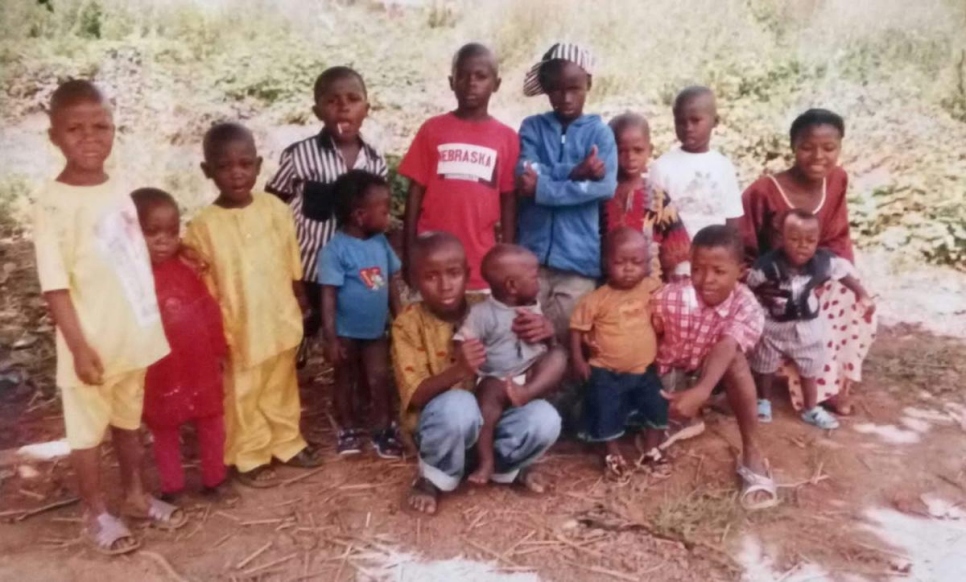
x: 250, y: 478
x: 110, y: 529
x: 160, y: 515
x: 616, y: 468
x: 764, y: 410
x: 308, y: 458
x: 753, y: 483
x: 820, y: 418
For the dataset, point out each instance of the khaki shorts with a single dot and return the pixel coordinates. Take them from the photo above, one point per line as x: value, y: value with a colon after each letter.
x: 90, y: 410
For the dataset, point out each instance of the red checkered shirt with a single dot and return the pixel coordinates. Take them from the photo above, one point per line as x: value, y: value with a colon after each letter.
x: 692, y: 328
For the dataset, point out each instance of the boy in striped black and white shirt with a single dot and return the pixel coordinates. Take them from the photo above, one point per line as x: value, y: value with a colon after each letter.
x: 308, y: 168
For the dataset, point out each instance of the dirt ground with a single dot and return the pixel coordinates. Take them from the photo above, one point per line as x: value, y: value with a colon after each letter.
x: 904, y: 449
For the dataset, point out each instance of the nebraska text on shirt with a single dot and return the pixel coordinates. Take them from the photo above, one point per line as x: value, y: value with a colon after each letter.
x: 461, y: 161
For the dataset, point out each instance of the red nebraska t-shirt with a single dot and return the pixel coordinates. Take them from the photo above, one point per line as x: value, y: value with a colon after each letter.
x: 464, y: 166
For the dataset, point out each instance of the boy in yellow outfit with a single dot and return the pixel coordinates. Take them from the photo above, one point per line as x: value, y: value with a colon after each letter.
x: 96, y: 278
x: 256, y: 277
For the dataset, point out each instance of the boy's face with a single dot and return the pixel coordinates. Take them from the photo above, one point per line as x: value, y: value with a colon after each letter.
x: 84, y: 132
x: 694, y: 120
x: 566, y: 86
x: 474, y: 81
x: 373, y: 215
x: 714, y: 273
x: 342, y: 108
x: 817, y: 151
x: 633, y: 151
x: 234, y: 168
x: 627, y: 263
x: 800, y: 239
x: 162, y: 232
x: 440, y: 275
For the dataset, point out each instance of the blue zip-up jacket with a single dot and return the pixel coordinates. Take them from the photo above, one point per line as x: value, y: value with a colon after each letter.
x: 561, y: 223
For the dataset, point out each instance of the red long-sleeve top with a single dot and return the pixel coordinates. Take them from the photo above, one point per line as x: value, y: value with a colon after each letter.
x: 764, y: 204
x: 187, y: 383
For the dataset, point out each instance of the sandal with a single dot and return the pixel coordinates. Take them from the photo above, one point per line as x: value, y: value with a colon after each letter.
x: 655, y: 462
x: 753, y: 483
x: 110, y: 530
x: 308, y: 458
x: 764, y: 410
x: 262, y: 477
x: 819, y: 417
x: 616, y: 469
x: 160, y: 515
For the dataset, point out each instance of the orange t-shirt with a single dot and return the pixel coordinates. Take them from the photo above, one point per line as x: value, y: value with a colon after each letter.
x: 618, y: 321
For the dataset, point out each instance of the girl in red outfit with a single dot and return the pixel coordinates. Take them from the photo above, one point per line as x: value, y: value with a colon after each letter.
x: 638, y: 205
x: 816, y: 184
x: 185, y: 386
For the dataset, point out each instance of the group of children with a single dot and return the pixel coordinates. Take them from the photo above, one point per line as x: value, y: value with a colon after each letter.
x: 506, y: 242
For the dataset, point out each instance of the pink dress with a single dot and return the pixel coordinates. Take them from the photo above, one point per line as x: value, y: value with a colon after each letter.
x: 849, y: 335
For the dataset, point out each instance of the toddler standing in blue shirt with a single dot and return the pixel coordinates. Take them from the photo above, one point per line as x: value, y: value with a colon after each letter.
x: 358, y: 270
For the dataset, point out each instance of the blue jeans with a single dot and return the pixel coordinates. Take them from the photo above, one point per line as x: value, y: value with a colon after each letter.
x: 450, y: 424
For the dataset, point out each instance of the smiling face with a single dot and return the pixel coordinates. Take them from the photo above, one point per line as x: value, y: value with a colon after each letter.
x: 817, y: 150
x: 714, y: 273
x: 440, y: 274
x: 84, y: 132
x: 474, y: 81
x: 566, y: 85
x: 342, y: 106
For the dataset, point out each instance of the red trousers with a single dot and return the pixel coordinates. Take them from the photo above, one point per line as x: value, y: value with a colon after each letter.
x: 211, y: 450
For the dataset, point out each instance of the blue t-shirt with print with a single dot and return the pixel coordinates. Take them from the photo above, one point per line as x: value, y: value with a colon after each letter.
x: 361, y: 269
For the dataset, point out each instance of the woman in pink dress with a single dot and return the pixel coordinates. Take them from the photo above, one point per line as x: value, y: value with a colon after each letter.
x: 817, y: 184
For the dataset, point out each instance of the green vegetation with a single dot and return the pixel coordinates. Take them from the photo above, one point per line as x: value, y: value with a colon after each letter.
x: 896, y: 73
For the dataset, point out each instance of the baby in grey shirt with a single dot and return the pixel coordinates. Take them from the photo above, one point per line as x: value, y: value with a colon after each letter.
x: 512, y: 369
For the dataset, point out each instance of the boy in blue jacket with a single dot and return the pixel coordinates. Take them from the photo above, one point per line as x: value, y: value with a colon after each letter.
x: 567, y: 168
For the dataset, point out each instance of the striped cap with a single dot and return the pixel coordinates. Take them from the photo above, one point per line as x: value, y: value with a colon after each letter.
x: 562, y: 51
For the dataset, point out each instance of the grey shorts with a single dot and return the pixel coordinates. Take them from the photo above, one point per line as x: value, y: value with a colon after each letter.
x: 800, y: 341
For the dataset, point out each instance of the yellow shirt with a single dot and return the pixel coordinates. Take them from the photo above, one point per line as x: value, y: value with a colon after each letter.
x: 88, y: 242
x: 422, y: 347
x: 619, y: 322
x: 254, y: 260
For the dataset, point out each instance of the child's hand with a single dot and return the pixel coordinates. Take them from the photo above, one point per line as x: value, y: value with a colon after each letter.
x: 531, y: 327
x: 470, y: 356
x: 581, y: 369
x: 657, y: 322
x: 868, y: 305
x: 590, y: 168
x: 88, y: 366
x: 686, y: 403
x: 527, y: 182
x: 335, y: 352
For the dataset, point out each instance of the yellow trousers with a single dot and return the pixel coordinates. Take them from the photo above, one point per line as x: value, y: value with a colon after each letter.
x: 262, y: 413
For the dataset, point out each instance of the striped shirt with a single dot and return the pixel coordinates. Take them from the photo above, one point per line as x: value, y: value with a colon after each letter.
x: 305, y: 168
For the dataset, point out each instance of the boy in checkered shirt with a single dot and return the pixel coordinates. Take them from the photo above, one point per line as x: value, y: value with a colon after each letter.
x: 707, y: 325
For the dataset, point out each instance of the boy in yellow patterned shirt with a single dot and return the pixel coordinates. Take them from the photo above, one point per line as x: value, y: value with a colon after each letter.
x: 95, y: 276
x: 256, y: 277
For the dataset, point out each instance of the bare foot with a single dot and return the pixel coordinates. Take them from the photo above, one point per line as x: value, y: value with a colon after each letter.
x: 531, y: 481
x: 482, y: 474
x: 422, y: 496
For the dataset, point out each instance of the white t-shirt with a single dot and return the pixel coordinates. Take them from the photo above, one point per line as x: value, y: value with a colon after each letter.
x: 703, y: 187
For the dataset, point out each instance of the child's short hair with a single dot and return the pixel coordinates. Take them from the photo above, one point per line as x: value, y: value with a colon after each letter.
x: 814, y: 118
x: 492, y: 260
x: 474, y: 49
x: 147, y: 198
x: 691, y: 93
x: 224, y: 133
x: 73, y: 92
x: 333, y: 74
x: 350, y: 190
x: 627, y: 120
x: 799, y: 213
x: 720, y: 236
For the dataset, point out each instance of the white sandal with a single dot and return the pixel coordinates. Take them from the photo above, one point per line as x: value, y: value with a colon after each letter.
x: 753, y: 483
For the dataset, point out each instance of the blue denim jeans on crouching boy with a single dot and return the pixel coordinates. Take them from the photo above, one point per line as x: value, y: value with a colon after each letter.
x: 450, y: 425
